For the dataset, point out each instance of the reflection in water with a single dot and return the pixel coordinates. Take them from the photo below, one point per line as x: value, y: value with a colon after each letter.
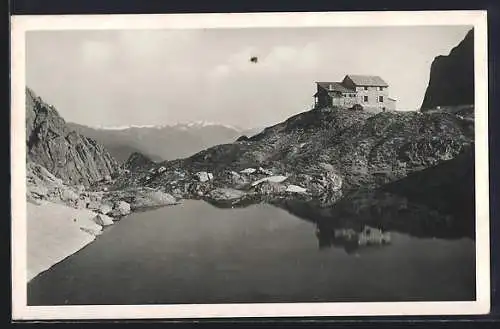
x: 365, y: 219
x: 194, y: 253
x: 350, y: 240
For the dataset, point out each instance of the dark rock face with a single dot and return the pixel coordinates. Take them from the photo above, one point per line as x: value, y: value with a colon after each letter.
x: 137, y: 161
x: 68, y: 155
x: 448, y: 187
x: 451, y: 79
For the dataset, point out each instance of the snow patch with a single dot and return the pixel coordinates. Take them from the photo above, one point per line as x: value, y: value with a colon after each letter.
x: 54, y: 232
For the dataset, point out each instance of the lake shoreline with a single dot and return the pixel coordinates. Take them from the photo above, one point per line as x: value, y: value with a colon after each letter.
x: 66, y: 231
x: 172, y: 255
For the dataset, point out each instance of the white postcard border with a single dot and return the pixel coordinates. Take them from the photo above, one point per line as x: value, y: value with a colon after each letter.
x: 21, y: 24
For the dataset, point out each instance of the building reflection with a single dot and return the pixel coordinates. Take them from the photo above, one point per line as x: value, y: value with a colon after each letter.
x: 352, y: 240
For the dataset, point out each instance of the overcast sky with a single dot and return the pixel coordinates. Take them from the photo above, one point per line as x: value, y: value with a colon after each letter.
x: 115, y: 78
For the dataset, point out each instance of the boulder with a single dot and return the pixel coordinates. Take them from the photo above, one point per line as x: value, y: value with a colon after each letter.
x: 270, y: 188
x: 248, y: 171
x: 161, y: 170
x: 234, y: 179
x: 68, y: 195
x: 93, y: 205
x: 121, y: 208
x: 272, y: 179
x: 295, y: 189
x: 203, y: 176
x: 152, y: 198
x: 105, y: 209
x: 333, y: 182
x: 103, y: 220
x: 265, y: 171
x: 226, y: 194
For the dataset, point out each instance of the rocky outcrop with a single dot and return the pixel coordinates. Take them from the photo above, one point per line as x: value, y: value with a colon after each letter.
x: 131, y: 199
x: 328, y: 152
x: 138, y: 161
x: 121, y: 208
x: 68, y: 155
x: 448, y: 187
x: 451, y: 81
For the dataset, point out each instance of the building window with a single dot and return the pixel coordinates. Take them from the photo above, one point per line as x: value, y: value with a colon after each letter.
x: 366, y: 88
x: 380, y: 88
x: 381, y: 99
x: 365, y: 99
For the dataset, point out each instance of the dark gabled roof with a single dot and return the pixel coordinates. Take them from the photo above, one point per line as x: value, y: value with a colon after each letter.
x: 367, y: 80
x: 335, y: 86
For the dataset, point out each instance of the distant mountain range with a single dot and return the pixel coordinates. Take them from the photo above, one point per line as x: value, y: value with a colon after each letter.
x: 162, y: 142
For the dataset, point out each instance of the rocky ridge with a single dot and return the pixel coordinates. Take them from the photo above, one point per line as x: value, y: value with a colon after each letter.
x: 324, y: 154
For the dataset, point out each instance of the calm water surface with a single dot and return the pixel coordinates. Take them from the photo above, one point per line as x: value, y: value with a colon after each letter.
x: 197, y: 253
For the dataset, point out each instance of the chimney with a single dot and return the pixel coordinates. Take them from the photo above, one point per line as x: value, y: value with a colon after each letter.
x: 330, y: 87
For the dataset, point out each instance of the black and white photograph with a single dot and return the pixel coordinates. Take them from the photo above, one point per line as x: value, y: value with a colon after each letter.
x: 211, y: 165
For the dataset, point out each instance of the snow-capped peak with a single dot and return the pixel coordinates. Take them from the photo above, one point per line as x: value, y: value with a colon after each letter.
x: 180, y: 125
x: 124, y: 127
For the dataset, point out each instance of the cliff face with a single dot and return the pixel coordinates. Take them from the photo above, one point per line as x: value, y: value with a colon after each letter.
x: 451, y: 79
x: 68, y: 155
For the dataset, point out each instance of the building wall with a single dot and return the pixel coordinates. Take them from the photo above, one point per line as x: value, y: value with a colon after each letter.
x: 372, y: 94
x: 345, y: 100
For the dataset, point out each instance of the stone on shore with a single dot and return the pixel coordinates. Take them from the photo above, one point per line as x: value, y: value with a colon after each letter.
x: 103, y: 220
x: 121, y: 208
x: 271, y: 179
x: 204, y: 176
x: 295, y: 189
x: 248, y: 171
x: 226, y: 194
x: 105, y: 209
x: 152, y: 199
